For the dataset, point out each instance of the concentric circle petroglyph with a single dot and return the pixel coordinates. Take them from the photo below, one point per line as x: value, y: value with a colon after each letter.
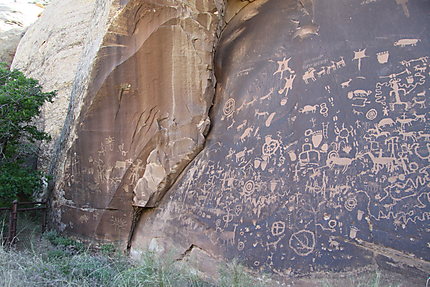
x: 229, y: 107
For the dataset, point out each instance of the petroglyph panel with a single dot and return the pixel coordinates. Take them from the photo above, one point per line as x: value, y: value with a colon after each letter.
x: 144, y: 115
x: 320, y: 144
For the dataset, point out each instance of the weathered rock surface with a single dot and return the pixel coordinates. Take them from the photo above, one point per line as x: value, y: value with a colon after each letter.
x: 59, y: 51
x: 142, y: 116
x: 318, y: 155
x: 317, y: 159
x: 15, y: 17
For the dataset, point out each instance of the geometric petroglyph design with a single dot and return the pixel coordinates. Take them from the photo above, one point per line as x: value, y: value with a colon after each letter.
x: 302, y: 242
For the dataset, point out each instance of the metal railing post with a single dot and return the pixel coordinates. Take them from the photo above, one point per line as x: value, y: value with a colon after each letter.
x: 44, y: 213
x: 13, y: 218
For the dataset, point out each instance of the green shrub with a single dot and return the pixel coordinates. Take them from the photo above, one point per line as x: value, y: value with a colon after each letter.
x: 21, y: 99
x: 63, y: 241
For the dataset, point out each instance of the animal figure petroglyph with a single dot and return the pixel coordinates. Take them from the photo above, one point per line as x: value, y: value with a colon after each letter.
x: 345, y: 84
x: 242, y: 125
x: 246, y: 134
x: 386, y: 122
x: 406, y: 42
x: 359, y: 97
x: 408, y: 63
x: 321, y: 73
x: 377, y: 132
x: 404, y: 121
x: 419, y: 101
x: 339, y: 161
x: 341, y: 63
x: 308, y: 108
x: 419, y: 68
x: 330, y: 68
x: 409, y: 135
x: 309, y: 75
x: 421, y: 118
x: 422, y: 135
x: 380, y: 162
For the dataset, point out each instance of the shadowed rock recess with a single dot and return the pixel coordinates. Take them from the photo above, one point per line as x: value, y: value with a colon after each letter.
x: 317, y: 159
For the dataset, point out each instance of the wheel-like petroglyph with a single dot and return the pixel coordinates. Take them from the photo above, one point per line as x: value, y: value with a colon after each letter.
x: 302, y: 242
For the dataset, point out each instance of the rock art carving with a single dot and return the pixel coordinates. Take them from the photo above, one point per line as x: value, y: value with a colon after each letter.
x: 312, y: 163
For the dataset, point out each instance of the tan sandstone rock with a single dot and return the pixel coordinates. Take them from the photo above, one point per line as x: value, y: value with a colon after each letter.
x: 15, y: 17
x: 137, y: 80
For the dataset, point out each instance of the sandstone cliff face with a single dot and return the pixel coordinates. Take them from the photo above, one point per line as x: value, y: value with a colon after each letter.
x: 142, y: 116
x: 59, y: 51
x: 317, y: 156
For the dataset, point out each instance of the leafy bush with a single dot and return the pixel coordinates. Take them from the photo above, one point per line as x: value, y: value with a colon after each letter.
x: 21, y: 99
x: 65, y: 242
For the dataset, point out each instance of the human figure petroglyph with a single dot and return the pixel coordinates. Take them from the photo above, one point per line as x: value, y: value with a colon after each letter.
x: 135, y: 170
x: 393, y: 144
x: 121, y: 150
x: 283, y: 66
x: 343, y: 133
x: 309, y: 75
x: 227, y: 218
x: 109, y: 141
x: 288, y: 85
x: 396, y: 91
x: 359, y: 55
